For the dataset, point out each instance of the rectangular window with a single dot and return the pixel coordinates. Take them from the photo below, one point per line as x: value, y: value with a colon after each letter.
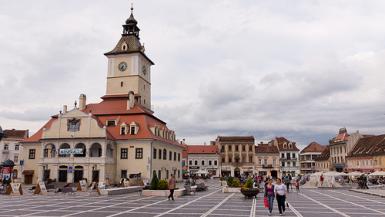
x: 174, y: 156
x: 265, y: 161
x: 260, y: 161
x: 124, y: 153
x: 230, y: 148
x: 223, y: 149
x: 31, y: 154
x: 138, y: 153
x: 178, y: 156
x: 167, y: 174
x: 282, y: 155
x: 210, y: 162
x: 250, y: 148
x: 170, y: 155
x: 45, y: 152
x: 236, y: 148
x: 190, y: 162
x: 123, y: 174
x: 159, y: 174
x: 273, y: 162
x: 288, y: 164
x: 154, y: 153
x: 196, y: 162
x: 294, y: 164
x: 16, y: 159
x: 293, y: 155
x: 203, y: 162
x: 17, y: 147
x: 283, y: 164
x: 160, y: 154
x: 243, y: 147
x: 215, y: 162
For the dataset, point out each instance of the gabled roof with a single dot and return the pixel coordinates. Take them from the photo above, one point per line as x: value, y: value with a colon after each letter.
x: 249, y: 139
x: 281, y: 141
x: 368, y: 146
x: 15, y: 134
x: 266, y: 148
x: 313, y: 147
x: 202, y: 149
x: 115, y: 108
x: 325, y: 155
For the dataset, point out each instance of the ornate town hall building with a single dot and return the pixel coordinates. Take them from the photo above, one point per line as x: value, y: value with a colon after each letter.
x: 112, y: 139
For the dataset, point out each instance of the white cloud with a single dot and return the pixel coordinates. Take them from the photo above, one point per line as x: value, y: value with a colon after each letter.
x: 264, y: 68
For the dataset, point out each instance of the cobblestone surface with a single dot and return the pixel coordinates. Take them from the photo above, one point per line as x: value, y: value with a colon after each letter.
x: 309, y: 202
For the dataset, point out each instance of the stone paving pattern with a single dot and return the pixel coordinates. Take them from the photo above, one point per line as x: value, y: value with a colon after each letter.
x: 309, y: 202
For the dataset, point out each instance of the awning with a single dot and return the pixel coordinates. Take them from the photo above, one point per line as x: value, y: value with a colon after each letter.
x: 28, y: 172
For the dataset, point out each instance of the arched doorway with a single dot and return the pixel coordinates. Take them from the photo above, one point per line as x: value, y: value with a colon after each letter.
x: 78, y: 173
x: 63, y: 173
x: 237, y: 172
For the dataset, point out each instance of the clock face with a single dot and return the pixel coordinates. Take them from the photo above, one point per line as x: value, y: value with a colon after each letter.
x: 122, y: 66
x: 144, y: 70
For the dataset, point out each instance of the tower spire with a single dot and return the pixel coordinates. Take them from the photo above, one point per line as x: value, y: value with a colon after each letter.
x: 132, y: 8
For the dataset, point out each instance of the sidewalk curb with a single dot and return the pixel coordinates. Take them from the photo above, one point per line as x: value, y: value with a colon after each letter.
x: 369, y: 193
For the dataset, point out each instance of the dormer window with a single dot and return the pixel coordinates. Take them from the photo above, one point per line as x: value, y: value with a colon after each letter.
x: 134, y: 128
x: 111, y: 123
x: 124, y: 46
x: 123, y: 129
x: 285, y: 145
x: 290, y: 146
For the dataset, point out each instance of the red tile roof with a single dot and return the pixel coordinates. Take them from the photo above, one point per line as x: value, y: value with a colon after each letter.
x: 266, y: 148
x: 202, y: 149
x: 115, y: 108
x: 15, y: 134
x: 314, y: 147
x: 368, y: 146
x: 281, y: 141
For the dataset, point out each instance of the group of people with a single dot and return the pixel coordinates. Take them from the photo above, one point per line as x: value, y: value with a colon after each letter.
x: 275, y: 191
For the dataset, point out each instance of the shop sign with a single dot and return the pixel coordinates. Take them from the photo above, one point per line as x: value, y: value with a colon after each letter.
x: 226, y: 168
x: 194, y: 167
x: 68, y: 151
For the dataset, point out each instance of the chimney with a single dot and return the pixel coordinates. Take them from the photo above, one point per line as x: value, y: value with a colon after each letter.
x: 82, y: 101
x: 64, y: 109
x: 131, y: 100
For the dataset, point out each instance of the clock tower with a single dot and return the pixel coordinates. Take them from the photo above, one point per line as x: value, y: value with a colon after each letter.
x: 129, y: 69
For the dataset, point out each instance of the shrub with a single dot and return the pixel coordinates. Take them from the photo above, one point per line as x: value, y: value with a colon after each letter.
x: 163, y: 185
x: 248, y: 183
x: 233, y: 182
x: 154, y: 182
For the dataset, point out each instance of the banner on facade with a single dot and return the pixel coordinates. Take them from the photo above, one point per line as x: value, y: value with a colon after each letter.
x: 68, y: 151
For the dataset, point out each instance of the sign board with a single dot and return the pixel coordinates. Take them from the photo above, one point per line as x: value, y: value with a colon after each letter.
x: 14, y: 189
x: 68, y: 151
x: 70, y: 169
x: 41, y: 188
x: 82, y: 186
x: 194, y: 167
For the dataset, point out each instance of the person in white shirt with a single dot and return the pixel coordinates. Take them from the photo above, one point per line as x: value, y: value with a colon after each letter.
x: 280, y: 191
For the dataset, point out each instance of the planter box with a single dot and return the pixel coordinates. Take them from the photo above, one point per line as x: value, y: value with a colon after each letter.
x: 123, y: 190
x: 230, y: 190
x: 163, y: 193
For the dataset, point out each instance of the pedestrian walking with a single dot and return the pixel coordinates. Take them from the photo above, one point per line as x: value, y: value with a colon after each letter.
x: 269, y: 195
x: 280, y: 191
x: 321, y: 179
x: 297, y: 185
x: 171, y: 186
x: 286, y: 180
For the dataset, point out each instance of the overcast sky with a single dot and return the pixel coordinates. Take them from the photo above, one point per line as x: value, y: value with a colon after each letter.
x: 299, y: 69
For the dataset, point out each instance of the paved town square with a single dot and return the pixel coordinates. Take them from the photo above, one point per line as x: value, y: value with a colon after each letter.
x: 310, y: 202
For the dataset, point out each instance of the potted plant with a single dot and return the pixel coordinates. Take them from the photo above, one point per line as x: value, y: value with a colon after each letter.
x: 248, y: 190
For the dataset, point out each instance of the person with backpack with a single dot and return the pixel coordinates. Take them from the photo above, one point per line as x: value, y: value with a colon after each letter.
x: 280, y: 191
x: 269, y: 195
